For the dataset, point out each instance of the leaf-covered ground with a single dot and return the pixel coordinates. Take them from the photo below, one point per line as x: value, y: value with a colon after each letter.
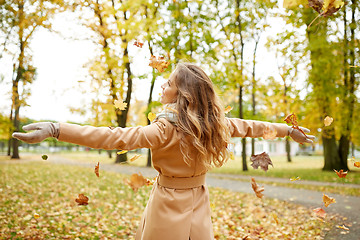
x: 37, y: 201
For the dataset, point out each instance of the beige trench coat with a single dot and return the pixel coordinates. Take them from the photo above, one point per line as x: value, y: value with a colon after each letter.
x: 178, y: 206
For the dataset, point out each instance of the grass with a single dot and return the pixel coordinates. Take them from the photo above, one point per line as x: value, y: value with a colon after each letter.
x: 30, y: 189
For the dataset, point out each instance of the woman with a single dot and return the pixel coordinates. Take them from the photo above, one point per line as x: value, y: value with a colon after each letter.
x: 186, y: 140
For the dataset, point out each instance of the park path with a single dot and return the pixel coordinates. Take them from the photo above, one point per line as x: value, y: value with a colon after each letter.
x: 346, y: 206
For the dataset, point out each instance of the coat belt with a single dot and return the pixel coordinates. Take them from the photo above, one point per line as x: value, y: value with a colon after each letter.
x: 181, y: 182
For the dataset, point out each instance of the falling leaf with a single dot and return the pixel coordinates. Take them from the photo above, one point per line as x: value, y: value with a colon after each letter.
x: 263, y: 160
x: 292, y: 119
x: 258, y: 190
x: 319, y: 212
x: 121, y: 152
x: 328, y: 120
x: 325, y: 8
x: 228, y: 109
x: 357, y: 164
x: 294, y: 179
x: 341, y: 173
x: 232, y: 156
x: 120, y: 104
x: 44, y: 157
x: 151, y: 116
x: 328, y: 200
x: 269, y: 134
x: 158, y: 63
x: 36, y: 215
x: 138, y: 44
x: 82, y: 199
x: 97, y: 169
x: 343, y: 227
x: 136, y: 181
x: 134, y: 158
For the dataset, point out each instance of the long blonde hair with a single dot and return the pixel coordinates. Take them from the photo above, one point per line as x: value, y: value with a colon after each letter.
x: 201, y: 117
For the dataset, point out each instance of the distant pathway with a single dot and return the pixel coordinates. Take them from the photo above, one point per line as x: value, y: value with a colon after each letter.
x: 347, y: 206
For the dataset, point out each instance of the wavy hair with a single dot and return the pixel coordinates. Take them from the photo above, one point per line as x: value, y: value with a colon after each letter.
x: 201, y: 116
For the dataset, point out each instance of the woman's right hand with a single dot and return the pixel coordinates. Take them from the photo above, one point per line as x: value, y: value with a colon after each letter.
x: 42, y: 131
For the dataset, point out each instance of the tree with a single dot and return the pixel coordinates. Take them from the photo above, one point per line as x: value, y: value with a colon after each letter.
x: 19, y: 20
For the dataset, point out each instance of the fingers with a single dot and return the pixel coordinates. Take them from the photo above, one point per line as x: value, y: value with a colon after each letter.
x: 31, y: 126
x: 305, y: 130
x: 32, y: 137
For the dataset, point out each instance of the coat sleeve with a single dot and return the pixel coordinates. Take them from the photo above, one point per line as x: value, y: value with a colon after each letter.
x: 117, y: 138
x: 250, y: 128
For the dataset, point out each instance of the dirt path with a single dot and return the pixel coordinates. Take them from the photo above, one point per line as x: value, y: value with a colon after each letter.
x: 347, y: 206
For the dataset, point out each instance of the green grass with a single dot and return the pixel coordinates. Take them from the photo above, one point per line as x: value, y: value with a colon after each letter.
x: 114, y: 210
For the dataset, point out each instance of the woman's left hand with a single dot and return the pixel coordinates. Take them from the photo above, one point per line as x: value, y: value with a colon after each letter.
x: 300, y: 137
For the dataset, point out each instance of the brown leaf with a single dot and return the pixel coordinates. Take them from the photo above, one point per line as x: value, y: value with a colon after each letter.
x: 258, y: 190
x: 328, y: 200
x: 263, y: 160
x: 341, y: 173
x: 292, y: 119
x: 138, y: 44
x: 158, y: 63
x: 97, y: 169
x: 136, y: 181
x: 82, y: 199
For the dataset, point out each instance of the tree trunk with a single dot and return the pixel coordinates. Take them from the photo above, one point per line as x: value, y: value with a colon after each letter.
x: 243, y: 141
x: 332, y: 159
x: 148, y: 163
x: 288, y: 149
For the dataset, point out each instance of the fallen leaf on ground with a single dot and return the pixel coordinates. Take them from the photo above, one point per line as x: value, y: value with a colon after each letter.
x: 121, y: 152
x: 97, y: 169
x: 328, y: 200
x: 36, y: 215
x: 263, y: 160
x: 119, y: 104
x: 341, y: 173
x: 294, y: 179
x: 275, y: 217
x: 158, y: 63
x: 319, y: 212
x: 151, y: 116
x: 343, y: 227
x: 328, y: 120
x: 258, y: 190
x: 136, y: 181
x: 82, y: 199
x: 134, y: 158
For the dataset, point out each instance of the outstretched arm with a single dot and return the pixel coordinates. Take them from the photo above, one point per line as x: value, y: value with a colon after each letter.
x: 254, y: 129
x: 98, y: 137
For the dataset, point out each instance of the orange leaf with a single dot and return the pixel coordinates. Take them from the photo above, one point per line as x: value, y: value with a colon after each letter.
x: 158, y: 63
x: 138, y: 44
x: 319, y: 212
x: 341, y: 173
x: 97, y: 169
x: 357, y: 164
x: 134, y: 158
x: 343, y: 227
x: 136, y: 181
x: 292, y: 119
x: 328, y: 200
x: 82, y: 199
x: 228, y: 109
x: 258, y: 190
x: 263, y: 160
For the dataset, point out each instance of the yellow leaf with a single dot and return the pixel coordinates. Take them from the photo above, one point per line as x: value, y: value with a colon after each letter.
x: 121, y: 152
x: 228, y: 109
x: 343, y: 227
x: 120, y: 104
x: 328, y: 200
x: 151, y: 116
x: 328, y: 120
x: 275, y: 217
x: 134, y: 158
x: 232, y: 156
x: 36, y: 215
x: 294, y: 179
